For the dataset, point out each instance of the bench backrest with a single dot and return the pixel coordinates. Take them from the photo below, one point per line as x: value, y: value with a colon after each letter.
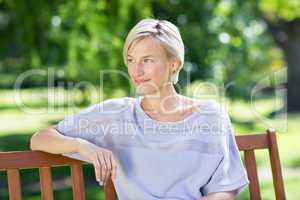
x: 250, y: 142
x: 12, y: 162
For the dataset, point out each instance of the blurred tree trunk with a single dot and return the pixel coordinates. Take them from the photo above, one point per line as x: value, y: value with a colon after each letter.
x: 287, y: 36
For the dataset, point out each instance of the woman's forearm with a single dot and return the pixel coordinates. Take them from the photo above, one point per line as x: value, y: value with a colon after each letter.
x: 220, y: 196
x: 50, y: 140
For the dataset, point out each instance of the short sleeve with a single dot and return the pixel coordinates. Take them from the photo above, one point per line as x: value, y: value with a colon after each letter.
x: 93, y: 122
x: 81, y: 125
x: 230, y: 174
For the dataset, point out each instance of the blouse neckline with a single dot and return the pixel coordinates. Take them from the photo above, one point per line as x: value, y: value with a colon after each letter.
x: 148, y: 118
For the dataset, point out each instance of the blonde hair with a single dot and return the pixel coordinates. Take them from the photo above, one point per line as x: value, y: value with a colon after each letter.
x: 166, y: 33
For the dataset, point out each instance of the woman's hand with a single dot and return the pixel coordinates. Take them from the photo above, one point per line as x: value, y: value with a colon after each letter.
x: 102, y: 159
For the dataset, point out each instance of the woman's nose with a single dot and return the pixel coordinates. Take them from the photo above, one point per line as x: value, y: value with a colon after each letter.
x: 139, y: 69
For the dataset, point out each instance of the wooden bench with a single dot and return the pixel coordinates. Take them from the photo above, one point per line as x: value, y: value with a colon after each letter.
x: 250, y: 142
x: 12, y: 162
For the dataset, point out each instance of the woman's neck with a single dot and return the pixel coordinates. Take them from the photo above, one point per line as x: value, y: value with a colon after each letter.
x: 165, y: 101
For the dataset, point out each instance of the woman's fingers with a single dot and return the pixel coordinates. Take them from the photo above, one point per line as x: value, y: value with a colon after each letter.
x: 114, y: 168
x: 105, y: 166
x: 107, y: 160
x: 97, y: 167
x: 102, y: 166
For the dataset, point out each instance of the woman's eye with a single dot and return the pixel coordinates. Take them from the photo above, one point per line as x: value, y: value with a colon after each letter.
x: 129, y: 60
x: 148, y: 60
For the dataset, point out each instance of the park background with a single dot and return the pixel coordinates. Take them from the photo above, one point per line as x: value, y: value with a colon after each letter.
x: 52, y: 53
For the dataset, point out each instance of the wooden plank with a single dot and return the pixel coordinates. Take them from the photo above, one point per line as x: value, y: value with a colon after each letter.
x: 275, y: 166
x: 46, y: 183
x: 254, y: 141
x: 252, y: 175
x: 14, y: 186
x: 110, y: 192
x: 32, y: 159
x: 77, y: 182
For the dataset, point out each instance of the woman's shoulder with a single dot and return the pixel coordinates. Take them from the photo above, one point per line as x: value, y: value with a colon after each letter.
x: 110, y: 106
x: 213, y: 120
x: 206, y: 105
x: 213, y: 106
x: 96, y: 115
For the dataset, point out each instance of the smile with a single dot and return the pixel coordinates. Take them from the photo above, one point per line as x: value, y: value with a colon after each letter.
x: 140, y: 81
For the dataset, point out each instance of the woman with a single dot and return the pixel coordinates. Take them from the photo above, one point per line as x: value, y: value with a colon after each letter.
x: 158, y: 145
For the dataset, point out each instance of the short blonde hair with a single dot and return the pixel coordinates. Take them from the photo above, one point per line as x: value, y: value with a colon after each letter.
x: 166, y: 33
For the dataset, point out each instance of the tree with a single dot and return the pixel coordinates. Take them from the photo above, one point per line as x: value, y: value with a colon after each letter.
x: 283, y: 19
x: 227, y: 41
x: 231, y: 40
x: 79, y: 38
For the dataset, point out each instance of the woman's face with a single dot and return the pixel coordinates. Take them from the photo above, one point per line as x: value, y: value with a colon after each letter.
x: 148, y: 65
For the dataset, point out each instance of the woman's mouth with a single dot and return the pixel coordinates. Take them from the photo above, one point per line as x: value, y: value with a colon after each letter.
x: 136, y: 81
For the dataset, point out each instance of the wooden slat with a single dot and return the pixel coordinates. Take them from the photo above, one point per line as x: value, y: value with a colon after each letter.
x: 275, y: 166
x: 32, y: 159
x: 252, y: 175
x: 77, y: 182
x: 253, y: 141
x: 46, y: 183
x: 110, y: 193
x: 14, y: 186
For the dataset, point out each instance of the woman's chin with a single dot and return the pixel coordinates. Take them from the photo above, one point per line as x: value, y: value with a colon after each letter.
x: 144, y: 91
x: 141, y: 91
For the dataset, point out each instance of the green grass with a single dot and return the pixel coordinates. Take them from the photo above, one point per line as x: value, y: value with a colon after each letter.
x: 267, y: 191
x: 94, y: 191
x: 19, y: 124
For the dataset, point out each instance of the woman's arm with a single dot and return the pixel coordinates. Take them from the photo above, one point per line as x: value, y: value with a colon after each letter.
x: 51, y: 141
x: 220, y: 196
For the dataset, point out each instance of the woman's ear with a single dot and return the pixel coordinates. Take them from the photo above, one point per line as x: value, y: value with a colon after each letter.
x: 175, y: 65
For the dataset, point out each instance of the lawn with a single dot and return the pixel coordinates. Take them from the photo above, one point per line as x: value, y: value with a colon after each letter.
x: 19, y: 124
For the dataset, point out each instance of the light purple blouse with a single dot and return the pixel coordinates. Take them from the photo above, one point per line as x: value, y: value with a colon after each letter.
x: 183, y: 160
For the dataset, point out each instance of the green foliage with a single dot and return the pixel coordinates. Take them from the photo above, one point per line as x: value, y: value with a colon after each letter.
x: 287, y: 10
x: 95, y: 32
x: 78, y: 37
x: 226, y: 41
